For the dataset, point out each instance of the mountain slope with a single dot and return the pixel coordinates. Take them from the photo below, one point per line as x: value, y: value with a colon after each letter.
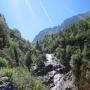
x: 65, y: 24
x: 46, y: 32
x: 15, y: 60
x: 72, y: 48
x: 74, y: 19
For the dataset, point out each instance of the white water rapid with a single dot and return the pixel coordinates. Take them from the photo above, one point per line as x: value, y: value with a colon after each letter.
x: 57, y: 79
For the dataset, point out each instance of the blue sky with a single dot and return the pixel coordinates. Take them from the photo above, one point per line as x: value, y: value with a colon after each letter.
x: 32, y: 16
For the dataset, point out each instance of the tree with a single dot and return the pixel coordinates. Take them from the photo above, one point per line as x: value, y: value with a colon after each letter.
x: 28, y: 60
x: 3, y: 62
x: 3, y: 38
x: 76, y: 63
x: 38, y: 46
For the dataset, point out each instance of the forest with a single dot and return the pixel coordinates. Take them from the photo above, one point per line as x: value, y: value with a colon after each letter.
x: 21, y: 60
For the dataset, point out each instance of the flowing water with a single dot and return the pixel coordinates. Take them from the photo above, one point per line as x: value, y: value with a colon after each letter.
x: 60, y: 81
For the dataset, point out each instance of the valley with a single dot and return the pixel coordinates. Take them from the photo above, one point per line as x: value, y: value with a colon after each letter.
x: 58, y: 59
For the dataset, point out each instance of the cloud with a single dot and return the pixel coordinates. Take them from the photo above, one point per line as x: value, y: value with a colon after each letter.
x: 29, y: 6
x: 46, y: 13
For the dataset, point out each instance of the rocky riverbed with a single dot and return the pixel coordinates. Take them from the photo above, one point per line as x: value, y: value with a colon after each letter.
x: 55, y: 76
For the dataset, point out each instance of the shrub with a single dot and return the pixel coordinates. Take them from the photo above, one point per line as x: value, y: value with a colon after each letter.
x: 6, y: 72
x: 4, y: 62
x: 25, y: 81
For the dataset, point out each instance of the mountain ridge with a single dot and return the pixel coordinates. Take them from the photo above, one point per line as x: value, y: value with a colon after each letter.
x: 65, y: 24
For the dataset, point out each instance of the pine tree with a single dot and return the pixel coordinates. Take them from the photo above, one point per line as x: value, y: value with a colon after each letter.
x: 28, y: 60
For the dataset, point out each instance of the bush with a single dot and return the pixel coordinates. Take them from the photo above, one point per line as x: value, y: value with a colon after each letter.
x: 76, y: 64
x: 3, y: 62
x: 6, y: 72
x: 23, y: 79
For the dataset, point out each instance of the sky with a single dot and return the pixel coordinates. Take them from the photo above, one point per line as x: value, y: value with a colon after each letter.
x: 32, y: 16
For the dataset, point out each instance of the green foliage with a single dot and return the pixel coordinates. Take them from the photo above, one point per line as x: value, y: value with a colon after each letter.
x: 25, y: 81
x: 76, y: 63
x: 38, y: 58
x: 38, y: 46
x: 15, y: 33
x: 28, y: 60
x: 38, y: 85
x: 3, y: 62
x: 71, y: 46
x: 16, y: 55
x: 4, y: 42
x: 6, y: 72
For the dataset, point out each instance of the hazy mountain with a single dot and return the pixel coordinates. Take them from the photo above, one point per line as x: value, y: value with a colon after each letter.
x: 45, y: 32
x: 66, y: 23
x: 74, y: 19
